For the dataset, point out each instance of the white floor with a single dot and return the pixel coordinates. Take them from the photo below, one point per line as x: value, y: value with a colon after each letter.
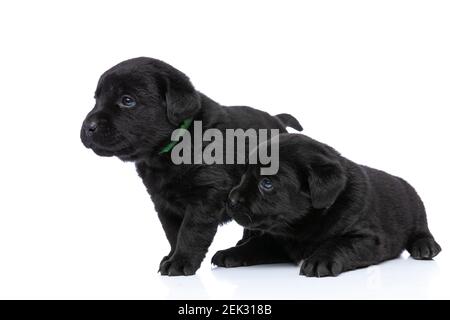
x: 120, y: 262
x: 403, y: 278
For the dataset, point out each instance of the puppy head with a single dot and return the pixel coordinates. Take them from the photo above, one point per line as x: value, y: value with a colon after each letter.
x: 310, y: 179
x: 138, y: 103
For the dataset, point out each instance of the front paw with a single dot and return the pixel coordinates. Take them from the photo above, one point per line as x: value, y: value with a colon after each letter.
x: 320, y: 266
x: 164, y: 259
x: 228, y: 259
x: 176, y: 266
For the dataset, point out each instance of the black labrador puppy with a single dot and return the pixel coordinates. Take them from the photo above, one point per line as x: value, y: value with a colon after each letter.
x: 328, y: 211
x: 139, y: 102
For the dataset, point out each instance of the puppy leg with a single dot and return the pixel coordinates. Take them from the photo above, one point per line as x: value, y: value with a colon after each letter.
x: 262, y: 249
x: 343, y: 254
x: 194, y: 238
x: 171, y: 224
x: 248, y: 234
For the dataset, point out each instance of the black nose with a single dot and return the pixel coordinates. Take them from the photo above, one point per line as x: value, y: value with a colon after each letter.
x: 91, y: 127
x: 234, y: 198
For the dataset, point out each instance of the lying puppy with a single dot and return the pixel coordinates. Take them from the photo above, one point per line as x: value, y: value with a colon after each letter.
x: 328, y: 211
x: 139, y: 103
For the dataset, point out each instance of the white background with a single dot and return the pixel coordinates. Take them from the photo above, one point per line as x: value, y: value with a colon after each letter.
x: 370, y: 78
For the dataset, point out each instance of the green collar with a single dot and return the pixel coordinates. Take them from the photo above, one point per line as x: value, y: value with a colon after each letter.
x: 168, y: 147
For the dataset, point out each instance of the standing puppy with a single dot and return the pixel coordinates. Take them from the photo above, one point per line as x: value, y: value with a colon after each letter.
x: 138, y: 104
x: 330, y: 212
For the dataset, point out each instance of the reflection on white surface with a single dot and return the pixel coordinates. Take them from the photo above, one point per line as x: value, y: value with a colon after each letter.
x: 403, y: 278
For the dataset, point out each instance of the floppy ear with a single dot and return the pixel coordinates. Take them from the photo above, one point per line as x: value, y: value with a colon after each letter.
x: 326, y: 179
x: 182, y: 101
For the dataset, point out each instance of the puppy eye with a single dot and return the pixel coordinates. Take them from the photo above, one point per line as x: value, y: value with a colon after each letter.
x: 127, y: 102
x: 266, y: 184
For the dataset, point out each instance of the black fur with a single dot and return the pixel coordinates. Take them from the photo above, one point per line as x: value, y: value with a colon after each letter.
x: 189, y: 199
x: 328, y: 211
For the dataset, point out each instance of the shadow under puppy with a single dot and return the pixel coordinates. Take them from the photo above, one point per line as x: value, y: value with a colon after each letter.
x: 328, y: 211
x: 138, y: 104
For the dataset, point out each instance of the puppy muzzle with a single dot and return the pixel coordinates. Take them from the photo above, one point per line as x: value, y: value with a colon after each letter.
x: 235, y: 199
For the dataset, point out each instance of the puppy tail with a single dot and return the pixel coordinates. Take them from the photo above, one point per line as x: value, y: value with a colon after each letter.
x: 289, y: 121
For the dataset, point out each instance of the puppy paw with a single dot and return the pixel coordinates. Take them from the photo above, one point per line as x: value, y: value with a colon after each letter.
x: 228, y: 259
x: 164, y: 259
x: 174, y: 266
x: 319, y: 266
x: 424, y: 249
